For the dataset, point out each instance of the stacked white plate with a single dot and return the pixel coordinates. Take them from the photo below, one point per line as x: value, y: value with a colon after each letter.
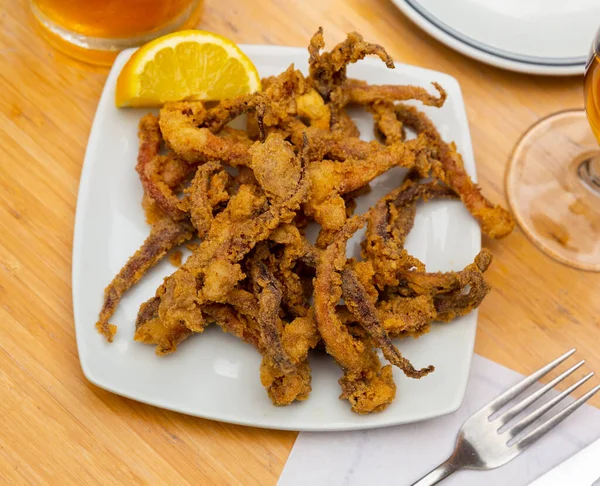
x: 550, y: 37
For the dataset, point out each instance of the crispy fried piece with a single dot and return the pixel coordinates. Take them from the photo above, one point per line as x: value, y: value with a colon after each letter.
x: 297, y: 338
x: 362, y: 93
x: 234, y: 323
x: 150, y: 139
x: 179, y: 123
x: 364, y: 272
x: 149, y: 329
x: 364, y: 311
x: 233, y: 233
x: 336, y: 146
x: 276, y: 167
x: 330, y: 179
x: 436, y: 296
x: 351, y: 354
x: 411, y: 316
x: 150, y: 165
x: 327, y: 74
x: 179, y: 302
x: 369, y: 390
x: 268, y: 290
x: 495, y: 221
x: 295, y: 247
x: 235, y: 135
x: 283, y: 91
x: 164, y: 235
x: 386, y: 122
x: 407, y: 316
x: 207, y: 190
x: 175, y: 258
x: 158, y: 190
x: 345, y: 125
x: 389, y: 223
x: 244, y: 302
x: 311, y: 106
x: 425, y: 283
x: 450, y: 306
x: 327, y: 70
x: 175, y: 171
x: 216, y: 118
x: 367, y: 385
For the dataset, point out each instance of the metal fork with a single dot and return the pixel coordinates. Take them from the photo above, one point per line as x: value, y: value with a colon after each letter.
x: 483, y: 443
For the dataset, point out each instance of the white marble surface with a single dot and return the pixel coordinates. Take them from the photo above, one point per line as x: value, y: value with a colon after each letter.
x: 400, y: 455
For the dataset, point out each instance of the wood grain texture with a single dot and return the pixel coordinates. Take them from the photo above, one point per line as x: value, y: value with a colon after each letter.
x: 56, y: 427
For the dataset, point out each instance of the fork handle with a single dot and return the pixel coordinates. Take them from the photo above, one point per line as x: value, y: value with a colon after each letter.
x: 441, y: 472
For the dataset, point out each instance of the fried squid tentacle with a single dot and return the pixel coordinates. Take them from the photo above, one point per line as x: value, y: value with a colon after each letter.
x: 407, y: 316
x: 208, y: 189
x: 327, y: 70
x: 212, y: 271
x: 449, y: 307
x: 327, y: 73
x: 495, y: 221
x: 151, y: 166
x: 367, y: 385
x: 437, y: 296
x: 149, y: 329
x: 331, y: 179
x: 364, y: 311
x: 164, y: 235
x: 226, y: 317
x: 386, y: 122
x: 362, y: 93
x: 180, y: 128
x: 295, y: 247
x: 271, y: 327
x: 298, y: 337
x: 434, y: 283
x: 216, y: 118
x: 388, y: 226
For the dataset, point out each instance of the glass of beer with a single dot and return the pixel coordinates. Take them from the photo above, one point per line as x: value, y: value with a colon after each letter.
x: 553, y: 178
x: 96, y: 30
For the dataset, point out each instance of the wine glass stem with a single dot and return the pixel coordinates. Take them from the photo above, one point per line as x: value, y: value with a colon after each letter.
x: 589, y: 173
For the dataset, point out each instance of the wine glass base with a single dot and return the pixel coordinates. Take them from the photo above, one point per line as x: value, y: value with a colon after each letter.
x: 101, y: 50
x: 557, y: 208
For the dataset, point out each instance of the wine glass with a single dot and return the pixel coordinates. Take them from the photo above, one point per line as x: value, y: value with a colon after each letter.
x: 553, y: 178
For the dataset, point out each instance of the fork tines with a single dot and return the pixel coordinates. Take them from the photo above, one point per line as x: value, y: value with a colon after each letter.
x: 504, y: 399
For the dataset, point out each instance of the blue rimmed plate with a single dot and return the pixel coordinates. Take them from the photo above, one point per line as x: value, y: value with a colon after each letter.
x: 550, y: 37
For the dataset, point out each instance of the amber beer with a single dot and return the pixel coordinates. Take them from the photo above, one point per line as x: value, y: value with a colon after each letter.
x: 95, y: 30
x: 591, y: 89
x: 113, y: 18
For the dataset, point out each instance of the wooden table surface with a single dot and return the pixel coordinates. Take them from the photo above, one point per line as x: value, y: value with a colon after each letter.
x: 55, y: 427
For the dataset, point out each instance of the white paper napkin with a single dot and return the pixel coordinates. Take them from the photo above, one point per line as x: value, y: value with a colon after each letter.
x: 401, y: 455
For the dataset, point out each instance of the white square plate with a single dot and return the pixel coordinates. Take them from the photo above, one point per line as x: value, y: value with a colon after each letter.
x: 215, y: 375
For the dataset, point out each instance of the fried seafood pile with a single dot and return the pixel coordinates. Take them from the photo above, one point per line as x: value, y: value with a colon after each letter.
x: 249, y: 194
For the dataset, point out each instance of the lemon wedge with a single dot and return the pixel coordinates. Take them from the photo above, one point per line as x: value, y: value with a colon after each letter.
x: 190, y: 64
